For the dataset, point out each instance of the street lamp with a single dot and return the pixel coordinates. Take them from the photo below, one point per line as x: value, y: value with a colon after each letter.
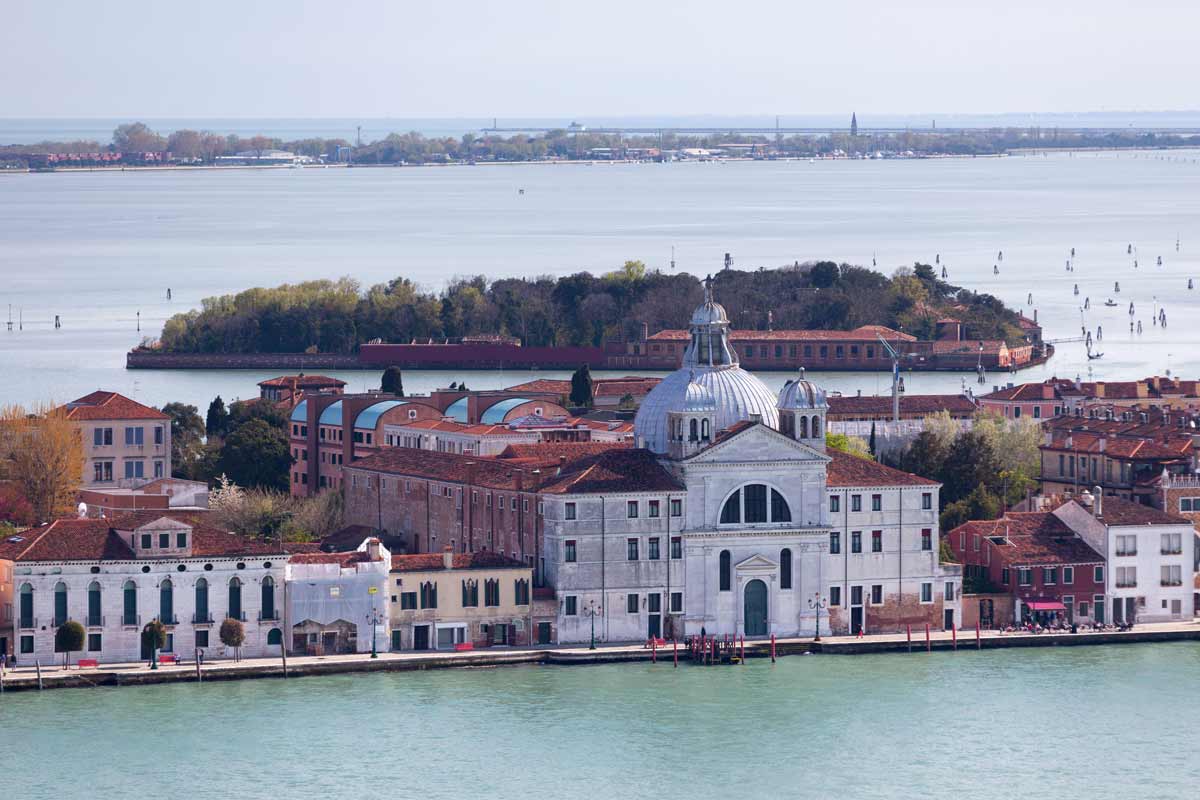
x: 592, y: 611
x: 817, y: 602
x: 374, y: 619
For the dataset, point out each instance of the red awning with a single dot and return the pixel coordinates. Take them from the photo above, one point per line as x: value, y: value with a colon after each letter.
x: 1046, y: 606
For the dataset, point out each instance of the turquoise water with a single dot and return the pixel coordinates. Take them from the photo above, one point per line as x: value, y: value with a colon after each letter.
x: 97, y: 248
x: 1064, y: 723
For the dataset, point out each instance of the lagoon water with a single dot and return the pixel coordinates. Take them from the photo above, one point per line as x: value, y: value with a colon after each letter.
x: 1060, y: 722
x: 97, y: 248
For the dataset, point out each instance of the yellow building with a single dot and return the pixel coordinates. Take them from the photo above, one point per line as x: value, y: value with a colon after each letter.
x: 463, y: 600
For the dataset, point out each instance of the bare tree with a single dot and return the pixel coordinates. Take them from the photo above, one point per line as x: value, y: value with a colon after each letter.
x: 42, y: 450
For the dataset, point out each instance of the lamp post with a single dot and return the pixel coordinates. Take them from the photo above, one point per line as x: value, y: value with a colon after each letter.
x: 817, y: 602
x: 593, y: 610
x: 374, y: 618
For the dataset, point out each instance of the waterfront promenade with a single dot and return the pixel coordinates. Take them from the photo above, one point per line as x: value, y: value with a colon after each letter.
x: 26, y: 677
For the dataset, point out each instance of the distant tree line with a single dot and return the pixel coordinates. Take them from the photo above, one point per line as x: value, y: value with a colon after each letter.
x: 335, y: 316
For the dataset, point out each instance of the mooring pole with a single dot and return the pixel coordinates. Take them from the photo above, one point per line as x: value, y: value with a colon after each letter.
x: 908, y: 630
x: 928, y: 646
x: 772, y: 648
x: 653, y: 650
x: 978, y: 641
x: 954, y: 635
x: 38, y: 664
x: 675, y: 651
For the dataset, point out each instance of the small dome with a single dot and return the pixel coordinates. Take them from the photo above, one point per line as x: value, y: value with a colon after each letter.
x: 801, y: 395
x: 698, y: 398
x: 709, y: 313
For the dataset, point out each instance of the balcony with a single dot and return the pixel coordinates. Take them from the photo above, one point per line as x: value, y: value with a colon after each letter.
x: 170, y: 619
x: 268, y: 616
x: 28, y: 623
x: 1126, y: 584
x: 131, y: 620
x: 1132, y: 552
x: 1175, y: 551
x: 1170, y: 582
x: 95, y: 621
x: 202, y: 619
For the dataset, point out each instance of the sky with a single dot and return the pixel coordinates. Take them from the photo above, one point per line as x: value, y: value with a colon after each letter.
x: 467, y: 58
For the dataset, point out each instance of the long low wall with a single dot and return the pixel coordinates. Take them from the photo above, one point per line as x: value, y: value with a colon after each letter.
x: 147, y: 359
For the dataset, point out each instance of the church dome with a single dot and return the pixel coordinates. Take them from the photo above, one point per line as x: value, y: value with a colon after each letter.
x: 802, y: 395
x: 710, y: 380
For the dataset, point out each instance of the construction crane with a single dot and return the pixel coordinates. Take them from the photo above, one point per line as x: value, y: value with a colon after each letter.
x: 897, y: 381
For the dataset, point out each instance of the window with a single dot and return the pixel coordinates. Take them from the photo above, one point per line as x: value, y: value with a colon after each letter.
x: 1127, y: 545
x: 676, y: 602
x: 102, y: 437
x: 835, y: 503
x: 235, y: 598
x: 94, y: 617
x: 631, y: 604
x: 491, y: 592
x: 1049, y: 576
x: 877, y: 594
x: 631, y: 509
x: 571, y: 606
x: 856, y: 595
x: 1171, y: 544
x: 835, y: 595
x: 27, y: 644
x: 274, y: 636
x: 408, y: 601
x: 749, y: 503
x: 835, y: 542
x: 201, y: 638
x: 856, y: 541
x: 856, y: 502
x: 631, y: 549
x: 785, y: 568
x: 1068, y: 575
x: 1097, y: 574
x: 653, y: 509
x: 949, y: 592
x: 1171, y: 575
x: 877, y: 502
x: 926, y: 592
x: 676, y: 547
x: 676, y: 508
x: 166, y: 602
x: 724, y: 569
x: 164, y: 540
x: 60, y: 604
x: 926, y: 500
x: 876, y: 541
x: 1024, y: 576
x: 135, y: 469
x: 1126, y: 577
x: 201, y: 613
x: 158, y: 434
x: 927, y: 539
x: 129, y: 612
x: 135, y: 436
x: 428, y: 594
x: 569, y: 511
x: 94, y: 643
x: 569, y: 551
x: 1004, y: 576
x: 1083, y: 609
x: 652, y: 548
x: 521, y: 592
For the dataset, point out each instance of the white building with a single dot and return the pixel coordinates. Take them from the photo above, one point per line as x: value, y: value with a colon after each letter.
x: 731, y: 518
x: 1150, y: 555
x: 334, y: 599
x: 114, y: 576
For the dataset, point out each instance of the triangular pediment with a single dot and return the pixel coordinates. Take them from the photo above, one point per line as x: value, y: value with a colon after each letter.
x: 756, y: 562
x: 163, y: 524
x: 766, y: 443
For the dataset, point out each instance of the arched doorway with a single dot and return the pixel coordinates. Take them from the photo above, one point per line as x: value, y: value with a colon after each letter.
x: 755, y: 603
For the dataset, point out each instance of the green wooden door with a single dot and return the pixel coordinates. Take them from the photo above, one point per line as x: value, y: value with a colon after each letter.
x: 755, y: 608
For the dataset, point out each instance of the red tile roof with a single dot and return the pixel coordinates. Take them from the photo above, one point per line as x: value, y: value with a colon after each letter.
x: 303, y: 381
x: 484, y: 471
x: 854, y: 471
x: 100, y: 405
x: 613, y: 471
x: 1115, y: 511
x: 345, y: 559
x: 1031, y: 539
x: 424, y: 562
x: 546, y: 454
x: 956, y: 404
x: 1120, y: 446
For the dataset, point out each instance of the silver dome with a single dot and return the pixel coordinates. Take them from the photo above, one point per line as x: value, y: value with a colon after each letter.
x: 736, y: 394
x: 697, y: 397
x: 710, y: 313
x: 802, y: 395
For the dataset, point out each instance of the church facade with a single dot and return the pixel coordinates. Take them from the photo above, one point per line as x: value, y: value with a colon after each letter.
x: 743, y: 523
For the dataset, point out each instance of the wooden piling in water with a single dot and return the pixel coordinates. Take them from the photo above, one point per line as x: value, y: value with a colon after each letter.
x: 928, y: 646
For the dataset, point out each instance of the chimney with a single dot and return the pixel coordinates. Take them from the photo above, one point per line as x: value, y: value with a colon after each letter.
x: 1087, y: 500
x: 448, y: 557
x: 1099, y: 501
x: 373, y: 549
x: 1035, y: 315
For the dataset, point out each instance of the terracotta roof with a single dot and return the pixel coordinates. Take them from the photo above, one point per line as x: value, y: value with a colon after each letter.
x: 1119, y: 446
x: 552, y: 453
x: 1032, y: 538
x: 424, y: 562
x: 302, y: 381
x: 344, y: 559
x: 1115, y: 511
x: 99, y: 539
x: 100, y: 405
x: 485, y: 471
x: 854, y: 471
x: 909, y: 404
x: 863, y: 333
x: 542, y: 385
x: 613, y: 471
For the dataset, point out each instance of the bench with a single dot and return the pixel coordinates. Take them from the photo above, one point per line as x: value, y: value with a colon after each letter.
x: 168, y: 658
x: 460, y: 647
x: 88, y: 662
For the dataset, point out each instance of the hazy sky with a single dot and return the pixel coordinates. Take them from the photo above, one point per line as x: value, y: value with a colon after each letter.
x: 397, y: 58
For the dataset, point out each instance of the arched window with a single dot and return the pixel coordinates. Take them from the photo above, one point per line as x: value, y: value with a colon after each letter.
x: 749, y: 504
x: 94, y: 618
x: 166, y: 602
x: 787, y: 425
x: 816, y: 429
x: 25, y: 610
x: 704, y: 433
x: 785, y: 568
x: 268, y: 598
x: 202, y: 600
x: 725, y: 570
x: 693, y: 430
x: 275, y: 636
x: 129, y: 615
x: 804, y: 427
x: 235, y: 598
x: 60, y: 604
x: 731, y: 512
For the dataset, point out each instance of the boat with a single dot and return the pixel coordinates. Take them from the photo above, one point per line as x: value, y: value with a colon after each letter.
x: 1000, y: 256
x: 1110, y: 303
x: 943, y: 272
x: 1129, y: 250
x: 1094, y: 356
x: 1160, y: 261
x: 1131, y: 309
x: 1072, y: 252
x: 995, y: 269
x: 1189, y: 283
x: 1029, y: 300
x: 1087, y: 303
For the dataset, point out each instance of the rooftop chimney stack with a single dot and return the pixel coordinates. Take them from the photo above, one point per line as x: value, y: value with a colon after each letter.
x: 448, y: 557
x: 1099, y: 501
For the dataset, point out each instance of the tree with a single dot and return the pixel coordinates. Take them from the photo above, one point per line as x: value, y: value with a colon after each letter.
x: 854, y: 445
x: 137, y: 137
x: 15, y: 509
x: 392, y: 382
x: 41, y: 450
x: 582, y: 388
x: 68, y: 639
x: 187, y: 434
x: 871, y: 442
x: 978, y: 504
x: 256, y: 454
x: 185, y: 144
x: 216, y: 423
x: 257, y: 513
x: 154, y: 638
x: 314, y: 518
x: 232, y: 634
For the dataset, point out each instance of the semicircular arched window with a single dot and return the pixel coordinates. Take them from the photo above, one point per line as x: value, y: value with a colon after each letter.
x: 755, y: 503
